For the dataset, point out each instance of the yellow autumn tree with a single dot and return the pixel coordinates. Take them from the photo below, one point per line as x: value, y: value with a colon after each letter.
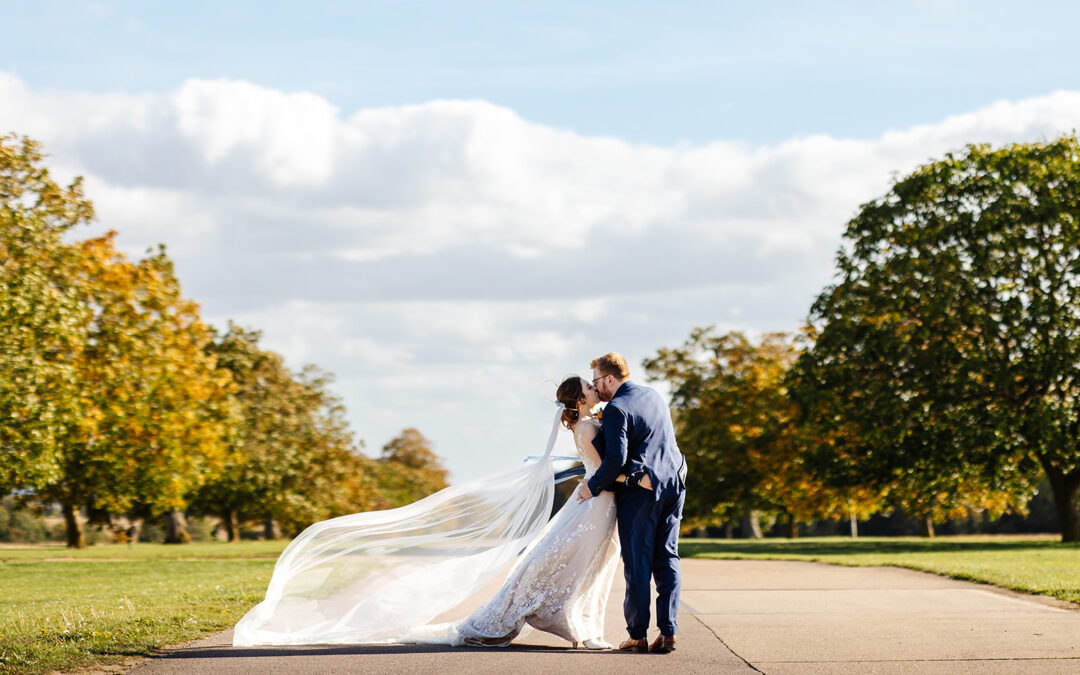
x: 158, y: 412
x: 738, y: 428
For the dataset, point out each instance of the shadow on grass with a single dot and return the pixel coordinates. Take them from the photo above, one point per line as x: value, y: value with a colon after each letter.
x: 689, y: 548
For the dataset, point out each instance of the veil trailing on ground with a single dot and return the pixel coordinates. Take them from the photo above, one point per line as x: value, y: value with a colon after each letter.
x: 381, y: 576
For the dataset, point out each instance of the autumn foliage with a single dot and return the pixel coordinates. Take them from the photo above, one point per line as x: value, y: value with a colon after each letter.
x: 117, y: 400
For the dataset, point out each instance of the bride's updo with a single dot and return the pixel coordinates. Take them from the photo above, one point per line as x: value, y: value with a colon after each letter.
x: 570, y: 393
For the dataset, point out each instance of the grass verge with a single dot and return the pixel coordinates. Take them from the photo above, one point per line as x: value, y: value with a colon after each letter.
x: 1031, y: 564
x: 65, y: 610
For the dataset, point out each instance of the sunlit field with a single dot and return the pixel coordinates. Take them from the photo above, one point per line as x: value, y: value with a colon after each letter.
x: 1033, y: 564
x: 65, y: 609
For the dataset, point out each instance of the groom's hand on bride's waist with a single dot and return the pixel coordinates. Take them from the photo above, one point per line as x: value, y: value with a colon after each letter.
x: 583, y: 493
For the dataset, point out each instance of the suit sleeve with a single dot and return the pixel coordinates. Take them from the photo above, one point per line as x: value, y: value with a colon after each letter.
x: 615, y: 450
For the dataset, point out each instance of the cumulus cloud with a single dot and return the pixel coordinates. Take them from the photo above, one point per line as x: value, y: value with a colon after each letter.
x: 450, y: 261
x: 288, y: 139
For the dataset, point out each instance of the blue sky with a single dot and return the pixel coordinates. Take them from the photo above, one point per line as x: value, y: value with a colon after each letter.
x: 654, y: 72
x: 451, y: 206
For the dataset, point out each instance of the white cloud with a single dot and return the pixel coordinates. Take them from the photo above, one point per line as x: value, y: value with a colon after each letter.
x: 452, y: 261
x: 290, y: 137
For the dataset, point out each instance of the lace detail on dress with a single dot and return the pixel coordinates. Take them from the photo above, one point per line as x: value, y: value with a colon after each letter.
x: 585, y: 457
x: 561, y: 584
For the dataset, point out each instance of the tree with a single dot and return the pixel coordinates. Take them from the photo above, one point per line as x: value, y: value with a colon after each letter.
x: 156, y: 409
x: 735, y: 423
x: 42, y: 319
x: 951, y: 342
x: 292, y: 460
x: 111, y: 392
x: 313, y: 486
x: 409, y: 469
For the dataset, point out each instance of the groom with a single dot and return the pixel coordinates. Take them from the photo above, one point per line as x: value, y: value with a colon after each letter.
x: 637, y: 440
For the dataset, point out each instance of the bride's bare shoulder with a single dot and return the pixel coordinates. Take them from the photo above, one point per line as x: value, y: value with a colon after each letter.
x: 586, y: 430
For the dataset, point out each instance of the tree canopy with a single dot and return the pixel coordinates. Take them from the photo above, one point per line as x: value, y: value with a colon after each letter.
x: 945, y: 357
x: 116, y: 398
x: 736, y: 423
x: 43, y: 320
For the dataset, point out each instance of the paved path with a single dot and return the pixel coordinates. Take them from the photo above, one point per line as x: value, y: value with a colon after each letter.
x: 740, y: 617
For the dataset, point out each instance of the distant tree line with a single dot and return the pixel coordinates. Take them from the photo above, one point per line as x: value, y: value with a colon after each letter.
x: 117, y: 401
x: 938, y: 376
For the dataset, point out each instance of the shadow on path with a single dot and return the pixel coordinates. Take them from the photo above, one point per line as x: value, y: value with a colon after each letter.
x: 229, y: 652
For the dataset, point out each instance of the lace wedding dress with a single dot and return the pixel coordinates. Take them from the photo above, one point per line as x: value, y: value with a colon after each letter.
x: 387, y: 576
x: 561, y: 584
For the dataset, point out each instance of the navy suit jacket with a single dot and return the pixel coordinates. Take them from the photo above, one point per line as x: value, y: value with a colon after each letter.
x: 636, y: 433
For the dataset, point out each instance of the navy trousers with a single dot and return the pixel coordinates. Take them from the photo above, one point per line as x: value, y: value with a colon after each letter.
x: 649, y: 534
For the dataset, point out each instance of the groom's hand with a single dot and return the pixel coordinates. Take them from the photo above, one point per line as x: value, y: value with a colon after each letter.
x: 583, y: 493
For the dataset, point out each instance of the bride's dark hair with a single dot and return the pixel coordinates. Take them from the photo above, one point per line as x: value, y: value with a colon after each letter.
x: 570, y: 393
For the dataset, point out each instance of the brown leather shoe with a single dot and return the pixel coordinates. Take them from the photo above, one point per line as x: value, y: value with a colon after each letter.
x: 663, y: 645
x: 637, y: 646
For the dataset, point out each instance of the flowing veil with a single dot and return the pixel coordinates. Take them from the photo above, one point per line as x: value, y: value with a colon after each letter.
x: 383, y: 576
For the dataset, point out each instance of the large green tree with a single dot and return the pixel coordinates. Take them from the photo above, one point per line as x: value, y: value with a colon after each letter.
x: 107, y: 398
x: 43, y: 321
x: 946, y: 356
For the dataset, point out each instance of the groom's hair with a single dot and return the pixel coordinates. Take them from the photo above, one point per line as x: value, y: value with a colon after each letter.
x: 611, y: 363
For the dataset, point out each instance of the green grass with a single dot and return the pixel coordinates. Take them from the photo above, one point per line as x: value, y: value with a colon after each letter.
x: 1031, y: 564
x: 200, y: 551
x: 64, y: 610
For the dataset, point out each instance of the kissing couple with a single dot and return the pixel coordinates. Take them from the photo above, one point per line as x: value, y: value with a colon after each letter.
x: 414, y: 574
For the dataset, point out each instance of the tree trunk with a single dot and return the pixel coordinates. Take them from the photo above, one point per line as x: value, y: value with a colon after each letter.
x: 701, y: 531
x: 1066, y: 488
x: 729, y: 530
x: 75, y: 538
x: 792, y: 527
x: 854, y: 525
x: 926, y: 527
x: 134, y: 530
x: 176, y: 527
x: 751, y: 526
x: 271, y: 530
x: 232, y: 527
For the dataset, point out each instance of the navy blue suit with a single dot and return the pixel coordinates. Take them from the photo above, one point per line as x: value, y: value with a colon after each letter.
x: 637, y: 434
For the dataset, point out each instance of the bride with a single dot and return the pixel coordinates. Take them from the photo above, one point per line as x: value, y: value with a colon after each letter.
x: 403, y: 575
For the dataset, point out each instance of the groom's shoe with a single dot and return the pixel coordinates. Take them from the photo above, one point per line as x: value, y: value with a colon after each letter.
x: 637, y: 646
x: 665, y: 644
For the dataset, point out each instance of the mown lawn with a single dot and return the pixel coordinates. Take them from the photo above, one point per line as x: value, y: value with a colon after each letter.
x: 63, y: 610
x: 1032, y: 564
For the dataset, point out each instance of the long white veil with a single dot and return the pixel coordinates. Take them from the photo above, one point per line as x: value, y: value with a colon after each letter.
x: 382, y: 575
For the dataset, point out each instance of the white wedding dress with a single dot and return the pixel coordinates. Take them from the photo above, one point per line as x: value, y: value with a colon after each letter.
x: 405, y: 575
x: 561, y: 584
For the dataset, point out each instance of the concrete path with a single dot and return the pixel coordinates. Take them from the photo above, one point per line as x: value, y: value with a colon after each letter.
x: 740, y: 617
